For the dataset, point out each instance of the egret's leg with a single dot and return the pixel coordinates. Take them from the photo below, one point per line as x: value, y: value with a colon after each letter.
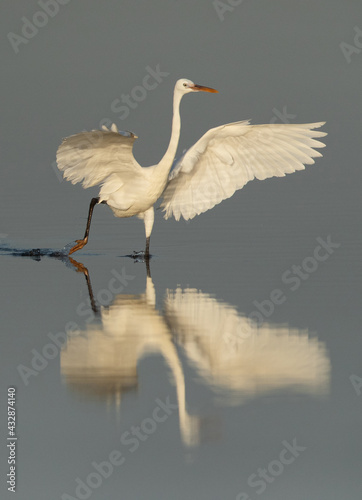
x: 147, y: 260
x: 147, y: 251
x: 149, y: 216
x: 81, y: 243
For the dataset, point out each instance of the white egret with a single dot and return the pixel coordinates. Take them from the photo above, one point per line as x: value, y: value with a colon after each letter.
x: 222, y: 161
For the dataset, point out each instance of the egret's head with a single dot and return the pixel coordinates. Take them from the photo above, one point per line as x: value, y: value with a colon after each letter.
x: 184, y: 85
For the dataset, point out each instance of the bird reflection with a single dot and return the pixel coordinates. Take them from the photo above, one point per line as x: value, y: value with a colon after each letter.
x: 103, y: 358
x: 240, y: 359
x: 233, y: 356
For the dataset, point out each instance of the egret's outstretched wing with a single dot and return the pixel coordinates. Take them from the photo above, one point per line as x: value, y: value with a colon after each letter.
x: 93, y: 156
x: 227, y: 157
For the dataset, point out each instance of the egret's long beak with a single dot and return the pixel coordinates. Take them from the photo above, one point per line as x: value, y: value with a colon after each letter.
x: 201, y: 87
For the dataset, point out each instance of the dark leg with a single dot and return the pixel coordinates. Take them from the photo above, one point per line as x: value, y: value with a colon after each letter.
x: 147, y: 251
x: 148, y: 269
x: 81, y: 243
x: 82, y: 269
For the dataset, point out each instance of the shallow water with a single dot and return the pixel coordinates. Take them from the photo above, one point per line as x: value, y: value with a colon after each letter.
x: 191, y: 375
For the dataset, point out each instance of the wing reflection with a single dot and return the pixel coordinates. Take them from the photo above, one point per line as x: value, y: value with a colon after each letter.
x: 230, y: 354
x: 238, y: 358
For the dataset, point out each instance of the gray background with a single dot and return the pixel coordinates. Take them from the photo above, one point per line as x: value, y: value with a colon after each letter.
x: 261, y: 56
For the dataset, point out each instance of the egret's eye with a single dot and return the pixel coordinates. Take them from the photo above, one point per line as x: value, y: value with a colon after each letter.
x: 185, y: 84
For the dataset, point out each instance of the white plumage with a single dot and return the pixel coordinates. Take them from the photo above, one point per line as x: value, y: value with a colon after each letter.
x: 227, y: 157
x: 222, y: 161
x: 91, y: 157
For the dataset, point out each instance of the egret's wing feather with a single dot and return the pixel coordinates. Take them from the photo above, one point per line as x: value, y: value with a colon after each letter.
x: 91, y: 157
x: 227, y: 157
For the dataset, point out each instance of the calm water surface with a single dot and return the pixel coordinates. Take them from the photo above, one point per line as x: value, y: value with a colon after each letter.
x: 230, y: 370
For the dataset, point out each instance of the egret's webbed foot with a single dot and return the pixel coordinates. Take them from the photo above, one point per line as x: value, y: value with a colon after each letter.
x: 79, y: 244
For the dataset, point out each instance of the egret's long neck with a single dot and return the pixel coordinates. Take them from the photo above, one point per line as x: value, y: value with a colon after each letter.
x: 165, y: 164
